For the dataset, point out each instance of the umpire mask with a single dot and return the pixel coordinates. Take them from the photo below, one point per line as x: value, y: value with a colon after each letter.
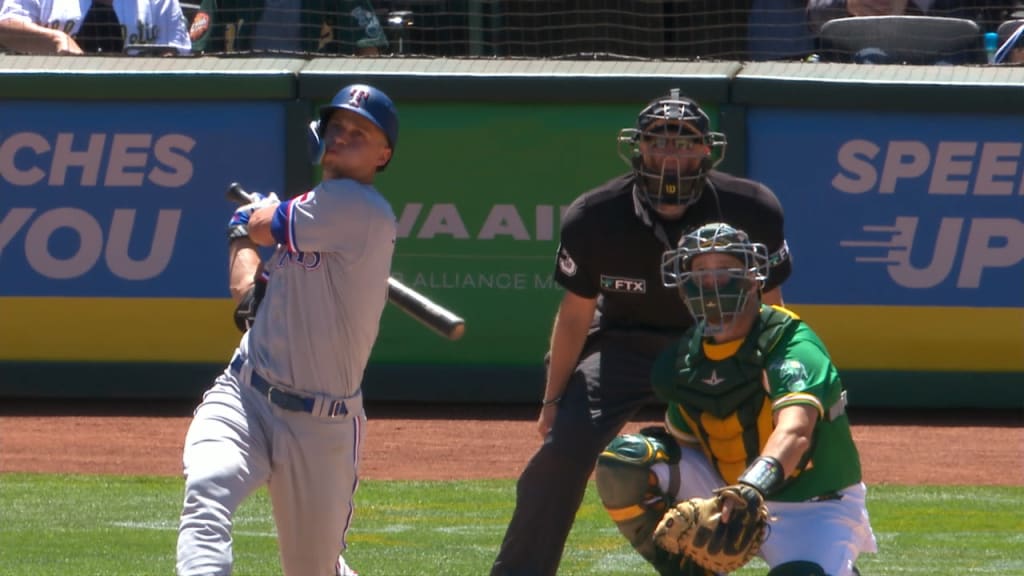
x: 671, y: 149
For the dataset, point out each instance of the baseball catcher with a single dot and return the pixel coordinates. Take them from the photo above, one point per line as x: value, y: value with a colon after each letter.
x: 757, y: 456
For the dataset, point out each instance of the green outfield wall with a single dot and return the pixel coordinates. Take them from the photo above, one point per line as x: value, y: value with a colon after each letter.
x: 903, y: 189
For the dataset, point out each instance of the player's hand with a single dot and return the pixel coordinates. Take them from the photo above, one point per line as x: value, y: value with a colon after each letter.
x: 727, y: 506
x: 64, y: 44
x: 546, y: 419
x: 241, y: 215
x: 238, y: 226
x: 738, y: 497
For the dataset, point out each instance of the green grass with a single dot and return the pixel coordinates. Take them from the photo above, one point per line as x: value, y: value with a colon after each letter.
x: 121, y: 526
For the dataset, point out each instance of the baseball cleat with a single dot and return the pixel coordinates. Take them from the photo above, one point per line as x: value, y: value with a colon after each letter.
x: 342, y: 569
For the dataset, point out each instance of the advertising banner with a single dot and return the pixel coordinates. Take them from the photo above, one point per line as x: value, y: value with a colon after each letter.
x: 907, y: 232
x: 112, y: 219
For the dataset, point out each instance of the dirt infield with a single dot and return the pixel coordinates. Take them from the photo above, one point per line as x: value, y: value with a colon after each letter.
x: 406, y: 442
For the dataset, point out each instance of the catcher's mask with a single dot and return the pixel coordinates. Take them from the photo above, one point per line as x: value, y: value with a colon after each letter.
x: 716, y: 291
x: 367, y: 101
x: 678, y: 151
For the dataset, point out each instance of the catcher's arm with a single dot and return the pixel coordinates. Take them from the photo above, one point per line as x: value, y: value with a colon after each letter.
x: 791, y: 438
x: 782, y: 452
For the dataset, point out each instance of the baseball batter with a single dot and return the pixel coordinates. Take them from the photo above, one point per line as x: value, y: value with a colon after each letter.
x: 287, y: 412
x: 753, y: 400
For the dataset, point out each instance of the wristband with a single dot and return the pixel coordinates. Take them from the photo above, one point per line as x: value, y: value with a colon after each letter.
x: 764, y: 474
x: 550, y: 402
x: 238, y: 231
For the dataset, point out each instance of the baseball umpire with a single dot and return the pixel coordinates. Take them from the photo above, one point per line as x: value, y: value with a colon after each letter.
x: 615, y: 316
x: 756, y: 415
x: 288, y: 410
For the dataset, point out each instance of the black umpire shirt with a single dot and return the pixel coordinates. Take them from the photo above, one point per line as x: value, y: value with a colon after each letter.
x: 611, y: 248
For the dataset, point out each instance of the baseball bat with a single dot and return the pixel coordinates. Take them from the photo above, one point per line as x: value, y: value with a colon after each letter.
x: 442, y: 321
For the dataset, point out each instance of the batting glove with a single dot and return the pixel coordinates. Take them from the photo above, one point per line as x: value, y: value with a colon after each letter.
x: 238, y: 226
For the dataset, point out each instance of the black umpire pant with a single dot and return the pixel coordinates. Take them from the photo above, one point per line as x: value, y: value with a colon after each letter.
x: 606, y: 390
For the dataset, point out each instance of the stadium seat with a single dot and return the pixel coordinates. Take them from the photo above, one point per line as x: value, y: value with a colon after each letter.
x: 902, y: 40
x: 1009, y: 39
x: 1006, y: 29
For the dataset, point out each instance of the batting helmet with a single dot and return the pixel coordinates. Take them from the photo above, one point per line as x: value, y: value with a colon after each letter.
x: 673, y: 126
x: 716, y: 295
x: 365, y: 100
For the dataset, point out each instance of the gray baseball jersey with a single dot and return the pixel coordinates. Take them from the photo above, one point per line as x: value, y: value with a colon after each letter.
x: 313, y: 335
x: 327, y: 290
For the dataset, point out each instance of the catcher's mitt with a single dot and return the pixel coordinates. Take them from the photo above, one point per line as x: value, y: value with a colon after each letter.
x: 694, y: 528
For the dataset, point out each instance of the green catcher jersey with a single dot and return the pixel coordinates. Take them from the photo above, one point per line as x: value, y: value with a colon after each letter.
x: 723, y: 397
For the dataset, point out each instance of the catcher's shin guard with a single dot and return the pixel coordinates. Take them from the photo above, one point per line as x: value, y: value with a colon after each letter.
x: 629, y: 490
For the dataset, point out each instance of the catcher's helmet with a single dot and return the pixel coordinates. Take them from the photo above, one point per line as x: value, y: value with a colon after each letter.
x: 679, y: 131
x: 365, y: 100
x: 716, y: 295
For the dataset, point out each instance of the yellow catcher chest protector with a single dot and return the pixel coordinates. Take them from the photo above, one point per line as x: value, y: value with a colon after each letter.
x: 723, y: 401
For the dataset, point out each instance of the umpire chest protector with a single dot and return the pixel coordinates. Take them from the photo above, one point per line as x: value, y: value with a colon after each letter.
x: 723, y: 386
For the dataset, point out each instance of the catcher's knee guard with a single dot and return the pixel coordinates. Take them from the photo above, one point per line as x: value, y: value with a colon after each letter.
x: 799, y: 568
x: 629, y: 491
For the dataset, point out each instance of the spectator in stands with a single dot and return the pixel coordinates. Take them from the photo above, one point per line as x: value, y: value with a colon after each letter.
x: 314, y: 26
x: 987, y: 13
x: 87, y: 26
x: 1011, y: 46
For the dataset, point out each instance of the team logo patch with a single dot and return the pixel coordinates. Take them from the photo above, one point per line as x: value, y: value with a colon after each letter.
x: 357, y: 97
x: 200, y: 25
x: 565, y: 263
x: 713, y: 380
x: 716, y: 242
x: 619, y: 284
x: 307, y: 260
x: 793, y: 373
